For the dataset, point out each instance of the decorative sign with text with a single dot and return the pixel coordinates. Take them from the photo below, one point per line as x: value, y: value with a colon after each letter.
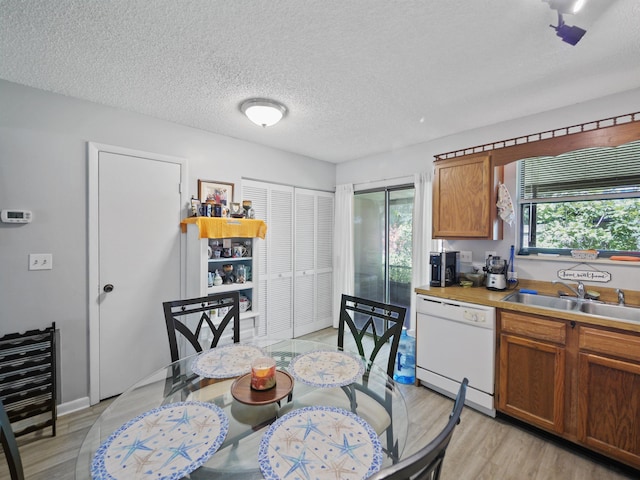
x: 584, y: 275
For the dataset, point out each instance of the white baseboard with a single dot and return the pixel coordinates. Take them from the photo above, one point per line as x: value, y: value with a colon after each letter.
x: 73, y: 406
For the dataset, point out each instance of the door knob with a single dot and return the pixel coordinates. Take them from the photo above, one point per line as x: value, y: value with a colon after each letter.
x: 108, y: 288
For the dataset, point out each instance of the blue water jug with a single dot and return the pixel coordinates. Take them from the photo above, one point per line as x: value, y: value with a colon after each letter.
x: 405, y: 369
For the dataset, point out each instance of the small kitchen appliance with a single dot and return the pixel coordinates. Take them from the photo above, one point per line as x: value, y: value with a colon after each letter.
x: 496, y: 269
x: 445, y: 268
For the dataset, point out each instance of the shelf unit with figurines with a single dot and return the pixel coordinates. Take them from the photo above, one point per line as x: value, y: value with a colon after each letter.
x: 223, y: 260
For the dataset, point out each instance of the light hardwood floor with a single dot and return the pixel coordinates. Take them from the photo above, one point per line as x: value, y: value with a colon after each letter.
x: 481, y: 448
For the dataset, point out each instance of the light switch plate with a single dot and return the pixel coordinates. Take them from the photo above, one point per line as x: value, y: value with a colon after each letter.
x: 40, y: 261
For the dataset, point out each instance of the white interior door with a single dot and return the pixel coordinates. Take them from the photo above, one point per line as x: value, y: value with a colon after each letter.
x: 137, y: 251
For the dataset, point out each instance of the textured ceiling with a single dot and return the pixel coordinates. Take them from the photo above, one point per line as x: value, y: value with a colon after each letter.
x: 358, y: 77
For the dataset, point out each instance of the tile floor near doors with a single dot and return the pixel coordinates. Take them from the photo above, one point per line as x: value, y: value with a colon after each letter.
x: 481, y: 448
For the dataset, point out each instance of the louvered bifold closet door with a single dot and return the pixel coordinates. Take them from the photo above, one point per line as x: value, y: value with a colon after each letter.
x: 274, y: 204
x: 324, y: 260
x: 313, y: 287
x: 280, y: 263
x: 305, y: 254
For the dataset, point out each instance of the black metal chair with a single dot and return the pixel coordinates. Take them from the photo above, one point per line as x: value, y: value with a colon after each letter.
x: 426, y: 463
x: 381, y: 320
x: 196, y: 311
x: 10, y: 446
x: 382, y: 324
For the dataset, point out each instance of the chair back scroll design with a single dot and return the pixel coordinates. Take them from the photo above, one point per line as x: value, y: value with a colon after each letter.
x: 10, y: 446
x: 392, y: 317
x: 177, y: 310
x: 426, y: 463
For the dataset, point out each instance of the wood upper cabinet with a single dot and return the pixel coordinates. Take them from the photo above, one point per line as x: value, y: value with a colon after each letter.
x: 609, y: 393
x: 532, y: 370
x: 464, y: 198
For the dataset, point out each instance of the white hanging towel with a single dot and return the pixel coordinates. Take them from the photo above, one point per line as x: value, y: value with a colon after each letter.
x: 505, y: 205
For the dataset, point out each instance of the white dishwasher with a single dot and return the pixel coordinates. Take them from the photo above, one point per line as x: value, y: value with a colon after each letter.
x: 455, y: 340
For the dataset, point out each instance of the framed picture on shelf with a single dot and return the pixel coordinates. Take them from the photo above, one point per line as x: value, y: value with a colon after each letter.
x: 219, y: 192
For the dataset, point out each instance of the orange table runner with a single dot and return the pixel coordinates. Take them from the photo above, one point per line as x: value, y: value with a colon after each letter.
x: 215, y: 227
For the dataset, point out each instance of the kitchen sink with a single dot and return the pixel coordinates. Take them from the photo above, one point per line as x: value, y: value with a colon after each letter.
x: 590, y: 307
x: 545, y: 301
x: 621, y: 312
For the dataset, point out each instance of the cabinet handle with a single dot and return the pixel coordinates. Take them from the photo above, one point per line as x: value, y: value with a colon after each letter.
x: 108, y: 288
x: 573, y: 324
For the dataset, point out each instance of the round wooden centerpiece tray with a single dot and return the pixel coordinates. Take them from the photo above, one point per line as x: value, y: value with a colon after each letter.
x: 242, y: 391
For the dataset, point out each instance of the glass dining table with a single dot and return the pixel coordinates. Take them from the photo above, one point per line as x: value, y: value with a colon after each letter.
x: 330, y: 415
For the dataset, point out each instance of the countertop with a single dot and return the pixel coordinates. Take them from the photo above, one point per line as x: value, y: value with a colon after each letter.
x: 482, y: 296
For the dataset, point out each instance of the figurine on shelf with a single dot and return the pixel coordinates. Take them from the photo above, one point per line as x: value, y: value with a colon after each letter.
x: 248, y: 209
x: 195, y: 207
x: 217, y: 279
x: 236, y: 211
x: 229, y: 277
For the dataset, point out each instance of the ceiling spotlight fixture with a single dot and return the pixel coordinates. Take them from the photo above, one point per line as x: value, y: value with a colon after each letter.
x: 568, y: 33
x: 262, y: 111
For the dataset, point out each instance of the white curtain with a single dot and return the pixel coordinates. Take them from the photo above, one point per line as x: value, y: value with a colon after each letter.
x: 343, y: 266
x: 422, y: 242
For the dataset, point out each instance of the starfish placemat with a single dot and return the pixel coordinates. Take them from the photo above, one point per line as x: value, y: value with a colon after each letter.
x: 165, y: 443
x: 318, y: 443
x: 227, y: 361
x: 326, y: 369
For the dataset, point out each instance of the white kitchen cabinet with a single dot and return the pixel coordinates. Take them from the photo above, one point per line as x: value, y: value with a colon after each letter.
x: 201, y: 261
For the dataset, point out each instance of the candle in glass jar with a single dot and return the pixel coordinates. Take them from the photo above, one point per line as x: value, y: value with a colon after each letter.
x: 263, y: 373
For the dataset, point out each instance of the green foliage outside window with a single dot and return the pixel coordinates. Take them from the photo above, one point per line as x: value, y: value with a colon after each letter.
x: 400, y: 232
x: 600, y: 225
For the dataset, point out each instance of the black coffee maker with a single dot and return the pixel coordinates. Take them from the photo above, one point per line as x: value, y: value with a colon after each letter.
x: 445, y: 268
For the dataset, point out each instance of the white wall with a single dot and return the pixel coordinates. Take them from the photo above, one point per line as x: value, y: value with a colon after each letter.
x: 43, y: 168
x: 406, y: 161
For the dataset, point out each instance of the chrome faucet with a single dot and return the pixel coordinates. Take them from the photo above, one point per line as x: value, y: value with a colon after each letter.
x: 579, y: 292
x: 620, y: 296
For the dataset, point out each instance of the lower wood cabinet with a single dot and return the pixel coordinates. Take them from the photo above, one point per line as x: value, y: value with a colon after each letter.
x: 609, y: 393
x: 532, y: 370
x: 578, y: 381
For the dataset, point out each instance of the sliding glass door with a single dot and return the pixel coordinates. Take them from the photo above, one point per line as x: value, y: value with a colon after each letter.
x: 382, y: 243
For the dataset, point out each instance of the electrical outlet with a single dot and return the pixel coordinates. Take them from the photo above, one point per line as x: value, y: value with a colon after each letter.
x: 465, y: 256
x: 486, y: 254
x: 40, y: 261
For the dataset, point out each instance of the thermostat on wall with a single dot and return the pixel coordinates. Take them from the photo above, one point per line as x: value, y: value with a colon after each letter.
x: 16, y: 216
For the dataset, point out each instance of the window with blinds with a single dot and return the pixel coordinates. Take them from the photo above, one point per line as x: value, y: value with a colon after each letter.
x: 585, y: 199
x: 588, y: 173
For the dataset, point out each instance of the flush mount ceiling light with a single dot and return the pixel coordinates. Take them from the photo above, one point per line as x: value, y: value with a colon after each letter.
x: 262, y: 111
x: 569, y: 34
